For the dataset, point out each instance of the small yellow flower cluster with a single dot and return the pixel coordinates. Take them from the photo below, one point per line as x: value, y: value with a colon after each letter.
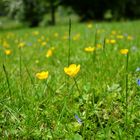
x: 72, y: 70
x: 119, y: 35
x: 110, y: 41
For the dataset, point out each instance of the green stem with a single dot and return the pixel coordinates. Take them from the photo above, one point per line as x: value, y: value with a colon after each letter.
x: 20, y: 72
x: 7, y: 79
x: 77, y: 85
x: 31, y: 79
x: 95, y: 43
x: 104, y: 46
x: 69, y: 41
x: 126, y: 91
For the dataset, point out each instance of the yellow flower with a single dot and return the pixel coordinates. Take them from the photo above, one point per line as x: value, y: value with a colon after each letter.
x: 49, y: 53
x: 98, y: 45
x: 42, y: 75
x: 36, y: 33
x: 72, y: 70
x: 56, y: 34
x: 8, y: 52
x: 124, y: 51
x: 5, y: 44
x: 44, y: 43
x: 107, y: 41
x: 112, y: 41
x: 21, y: 44
x: 76, y: 37
x: 65, y: 37
x: 113, y: 32
x: 89, y: 49
x: 129, y: 38
x: 89, y: 25
x: 120, y: 36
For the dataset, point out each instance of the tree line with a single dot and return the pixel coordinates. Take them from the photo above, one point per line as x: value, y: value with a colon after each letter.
x: 32, y: 11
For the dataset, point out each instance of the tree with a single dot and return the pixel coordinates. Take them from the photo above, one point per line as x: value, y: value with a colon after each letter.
x: 3, y: 11
x: 32, y: 13
x: 96, y: 9
x: 89, y: 9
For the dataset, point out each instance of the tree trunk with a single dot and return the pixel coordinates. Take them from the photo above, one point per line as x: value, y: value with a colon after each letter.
x: 52, y: 11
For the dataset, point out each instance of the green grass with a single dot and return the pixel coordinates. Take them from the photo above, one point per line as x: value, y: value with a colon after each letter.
x: 45, y: 109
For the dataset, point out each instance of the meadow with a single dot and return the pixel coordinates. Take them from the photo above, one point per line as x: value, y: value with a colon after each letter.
x: 43, y: 96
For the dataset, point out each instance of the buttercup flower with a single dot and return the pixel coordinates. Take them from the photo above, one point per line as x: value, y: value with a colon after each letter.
x: 89, y: 25
x: 5, y: 44
x: 99, y: 45
x: 42, y: 75
x: 21, y: 44
x: 89, y: 49
x: 8, y: 52
x: 120, y: 36
x: 124, y: 51
x: 49, y: 53
x: 44, y: 43
x: 113, y: 32
x: 129, y: 38
x: 72, y: 70
x: 112, y: 41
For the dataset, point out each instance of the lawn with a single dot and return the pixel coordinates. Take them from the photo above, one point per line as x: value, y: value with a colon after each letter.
x: 98, y: 97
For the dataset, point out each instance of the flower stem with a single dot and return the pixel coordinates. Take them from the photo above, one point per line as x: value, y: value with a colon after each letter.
x: 95, y: 43
x: 76, y: 85
x: 7, y: 79
x: 126, y: 91
x: 69, y: 41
